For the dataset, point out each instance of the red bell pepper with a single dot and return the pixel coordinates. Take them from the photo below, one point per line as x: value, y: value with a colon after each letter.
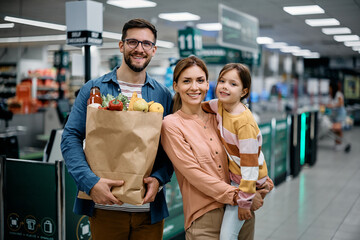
x: 116, y: 105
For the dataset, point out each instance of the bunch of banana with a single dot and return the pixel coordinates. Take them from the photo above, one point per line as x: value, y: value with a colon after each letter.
x: 139, y: 104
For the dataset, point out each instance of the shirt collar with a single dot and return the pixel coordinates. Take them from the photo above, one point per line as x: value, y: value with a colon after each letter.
x: 111, y: 76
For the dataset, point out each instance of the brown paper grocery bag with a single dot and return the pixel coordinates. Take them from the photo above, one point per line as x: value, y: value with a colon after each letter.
x: 122, y: 145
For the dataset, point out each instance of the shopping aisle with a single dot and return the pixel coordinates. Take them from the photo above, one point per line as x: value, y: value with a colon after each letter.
x: 323, y: 202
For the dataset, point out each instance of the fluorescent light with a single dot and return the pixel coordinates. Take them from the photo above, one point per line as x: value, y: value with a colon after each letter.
x: 209, y: 26
x: 36, y: 23
x: 333, y: 31
x: 7, y: 25
x: 276, y: 45
x: 112, y: 35
x: 322, y: 22
x: 346, y: 38
x: 352, y: 44
x: 34, y: 39
x: 131, y: 4
x: 302, y: 52
x: 180, y: 16
x: 264, y: 40
x: 164, y: 44
x: 303, y: 10
x: 313, y: 55
x: 289, y: 49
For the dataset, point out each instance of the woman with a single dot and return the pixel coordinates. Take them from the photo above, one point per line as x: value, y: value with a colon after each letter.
x: 338, y: 115
x: 189, y: 137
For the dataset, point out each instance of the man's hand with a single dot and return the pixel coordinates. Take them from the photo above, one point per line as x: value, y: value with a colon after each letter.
x: 101, y: 192
x: 244, y: 214
x: 151, y: 189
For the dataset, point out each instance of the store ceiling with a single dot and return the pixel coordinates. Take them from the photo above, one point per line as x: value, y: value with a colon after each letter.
x: 273, y: 21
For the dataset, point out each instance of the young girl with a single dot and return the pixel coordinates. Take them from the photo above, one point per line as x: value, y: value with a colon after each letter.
x: 242, y: 140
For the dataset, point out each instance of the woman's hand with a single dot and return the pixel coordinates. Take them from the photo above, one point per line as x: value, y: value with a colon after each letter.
x: 244, y: 214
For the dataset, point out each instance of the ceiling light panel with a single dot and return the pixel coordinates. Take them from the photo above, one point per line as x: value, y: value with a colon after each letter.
x: 322, y: 22
x: 131, y: 3
x: 304, y: 10
x: 276, y: 45
x: 112, y: 35
x: 264, y: 40
x: 352, y: 43
x: 164, y: 44
x: 35, y: 23
x: 7, y: 25
x: 346, y: 38
x: 333, y: 31
x: 289, y: 49
x: 209, y: 26
x: 302, y: 52
x: 313, y: 55
x: 34, y: 39
x: 180, y: 16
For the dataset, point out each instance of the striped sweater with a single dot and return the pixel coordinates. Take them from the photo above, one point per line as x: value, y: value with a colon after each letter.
x: 242, y: 139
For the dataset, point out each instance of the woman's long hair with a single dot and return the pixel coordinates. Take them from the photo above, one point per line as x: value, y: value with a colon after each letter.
x: 179, y: 68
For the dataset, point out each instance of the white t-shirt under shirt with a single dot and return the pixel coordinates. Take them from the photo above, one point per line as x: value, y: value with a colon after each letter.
x: 127, y: 89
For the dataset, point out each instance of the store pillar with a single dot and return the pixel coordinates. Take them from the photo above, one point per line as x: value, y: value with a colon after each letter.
x: 84, y: 22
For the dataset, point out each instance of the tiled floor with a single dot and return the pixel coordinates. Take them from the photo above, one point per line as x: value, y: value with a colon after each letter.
x: 321, y: 203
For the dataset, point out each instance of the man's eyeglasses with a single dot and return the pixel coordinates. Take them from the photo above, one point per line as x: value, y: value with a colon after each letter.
x: 133, y: 43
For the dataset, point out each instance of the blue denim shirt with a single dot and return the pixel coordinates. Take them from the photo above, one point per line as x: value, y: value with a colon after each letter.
x: 74, y: 134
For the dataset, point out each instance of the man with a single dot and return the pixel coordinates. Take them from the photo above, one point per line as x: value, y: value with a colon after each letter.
x: 110, y: 218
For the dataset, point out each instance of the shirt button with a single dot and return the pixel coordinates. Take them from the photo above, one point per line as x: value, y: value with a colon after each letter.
x: 219, y: 166
x: 210, y: 139
x: 119, y: 89
x: 204, y: 127
x: 216, y: 152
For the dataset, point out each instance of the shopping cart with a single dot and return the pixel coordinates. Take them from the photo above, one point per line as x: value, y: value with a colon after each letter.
x: 327, y: 130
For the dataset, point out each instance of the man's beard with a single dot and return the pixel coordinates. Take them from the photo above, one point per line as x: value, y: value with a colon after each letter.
x: 135, y: 68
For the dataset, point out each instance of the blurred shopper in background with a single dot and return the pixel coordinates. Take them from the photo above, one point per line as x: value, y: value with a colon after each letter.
x: 189, y: 137
x: 242, y: 139
x: 110, y: 218
x: 338, y: 112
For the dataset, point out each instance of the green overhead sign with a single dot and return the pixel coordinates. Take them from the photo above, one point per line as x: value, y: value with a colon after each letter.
x: 239, y: 30
x: 223, y: 55
x: 189, y: 42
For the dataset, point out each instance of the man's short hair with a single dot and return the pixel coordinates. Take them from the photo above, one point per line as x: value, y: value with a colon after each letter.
x: 138, y: 23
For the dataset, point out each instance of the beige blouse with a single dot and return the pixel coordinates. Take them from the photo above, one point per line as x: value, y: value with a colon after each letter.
x: 200, y: 163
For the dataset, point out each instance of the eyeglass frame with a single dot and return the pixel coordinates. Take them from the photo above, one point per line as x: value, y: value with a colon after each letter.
x: 128, y: 39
